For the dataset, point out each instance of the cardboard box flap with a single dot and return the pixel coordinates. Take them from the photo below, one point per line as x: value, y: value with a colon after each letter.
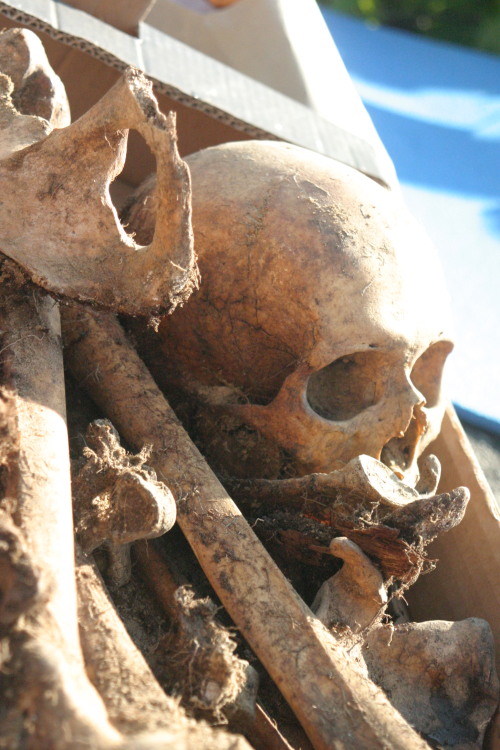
x: 196, y: 81
x: 466, y: 581
x: 124, y: 16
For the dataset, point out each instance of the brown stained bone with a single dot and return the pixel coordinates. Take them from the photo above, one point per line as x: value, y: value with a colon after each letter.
x: 46, y: 697
x: 117, y: 500
x: 40, y: 651
x: 295, y: 514
x: 135, y: 702
x: 62, y: 182
x: 296, y: 538
x: 37, y: 89
x: 439, y: 675
x: 352, y: 493
x: 335, y: 704
x: 199, y: 652
x: 354, y: 365
x: 355, y: 597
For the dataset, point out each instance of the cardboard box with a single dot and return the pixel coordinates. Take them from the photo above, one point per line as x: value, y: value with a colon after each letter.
x: 216, y: 104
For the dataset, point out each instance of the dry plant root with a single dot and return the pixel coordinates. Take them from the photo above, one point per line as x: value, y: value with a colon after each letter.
x: 135, y: 702
x: 198, y: 652
x: 337, y: 706
x: 47, y: 700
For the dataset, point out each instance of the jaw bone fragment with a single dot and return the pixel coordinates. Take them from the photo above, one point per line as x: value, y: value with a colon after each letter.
x: 439, y: 675
x: 61, y: 182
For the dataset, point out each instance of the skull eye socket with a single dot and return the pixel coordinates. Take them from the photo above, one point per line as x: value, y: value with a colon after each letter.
x: 346, y: 387
x: 427, y: 371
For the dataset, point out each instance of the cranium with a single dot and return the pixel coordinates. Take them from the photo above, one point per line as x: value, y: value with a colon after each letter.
x: 322, y: 306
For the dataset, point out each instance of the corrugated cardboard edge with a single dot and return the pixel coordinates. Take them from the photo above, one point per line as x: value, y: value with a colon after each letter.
x: 123, y: 15
x: 195, y: 80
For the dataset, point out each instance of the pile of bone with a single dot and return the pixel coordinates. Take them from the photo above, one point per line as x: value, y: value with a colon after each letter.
x: 305, y: 373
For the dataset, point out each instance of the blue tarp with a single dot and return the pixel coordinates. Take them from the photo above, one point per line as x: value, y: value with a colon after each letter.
x: 437, y: 109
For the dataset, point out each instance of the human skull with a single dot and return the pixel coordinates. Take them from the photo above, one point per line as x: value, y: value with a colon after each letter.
x: 322, y: 305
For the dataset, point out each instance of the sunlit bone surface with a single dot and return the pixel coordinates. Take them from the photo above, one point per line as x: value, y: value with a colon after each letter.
x: 439, y: 675
x: 322, y: 307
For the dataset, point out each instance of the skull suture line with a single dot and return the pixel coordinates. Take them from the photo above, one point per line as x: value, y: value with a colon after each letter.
x: 322, y: 304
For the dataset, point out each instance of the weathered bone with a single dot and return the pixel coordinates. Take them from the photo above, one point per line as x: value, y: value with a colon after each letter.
x: 364, y: 478
x: 49, y: 680
x: 355, y: 597
x: 47, y: 699
x: 38, y: 91
x: 310, y: 311
x: 117, y: 500
x: 133, y: 698
x: 391, y: 533
x: 440, y: 675
x: 335, y: 704
x: 62, y: 182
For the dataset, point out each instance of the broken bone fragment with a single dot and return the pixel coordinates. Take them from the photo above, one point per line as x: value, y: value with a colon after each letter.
x: 37, y: 89
x: 439, y: 675
x: 62, y: 180
x: 118, y: 500
x: 356, y: 596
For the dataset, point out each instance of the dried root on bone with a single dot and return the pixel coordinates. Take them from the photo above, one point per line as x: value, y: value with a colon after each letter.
x: 117, y: 500
x: 48, y: 699
x: 245, y: 578
x: 290, y: 361
x: 197, y: 653
x: 439, y: 675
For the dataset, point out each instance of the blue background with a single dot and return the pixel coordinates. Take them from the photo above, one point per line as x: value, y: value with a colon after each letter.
x: 437, y: 109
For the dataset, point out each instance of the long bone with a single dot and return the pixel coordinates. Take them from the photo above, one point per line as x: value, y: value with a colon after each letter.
x: 47, y: 699
x: 337, y: 706
x: 134, y: 700
x: 48, y: 679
